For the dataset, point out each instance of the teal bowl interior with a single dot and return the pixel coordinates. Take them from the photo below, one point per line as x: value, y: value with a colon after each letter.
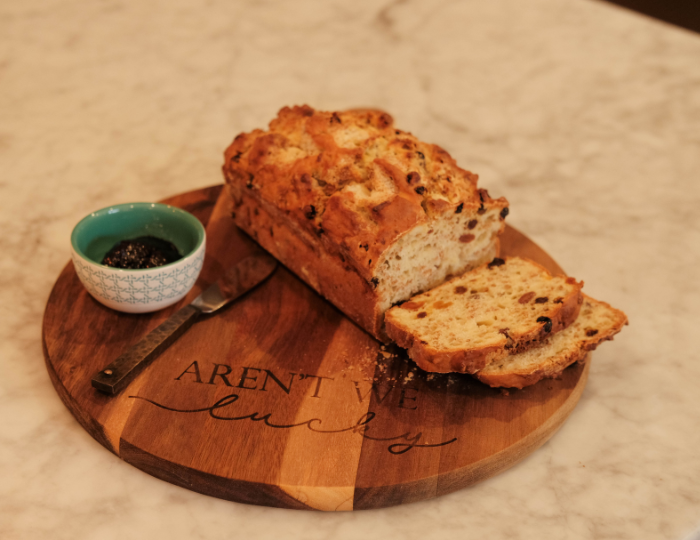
x: 97, y: 233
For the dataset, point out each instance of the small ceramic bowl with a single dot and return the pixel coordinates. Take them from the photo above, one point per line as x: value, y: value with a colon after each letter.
x: 142, y: 290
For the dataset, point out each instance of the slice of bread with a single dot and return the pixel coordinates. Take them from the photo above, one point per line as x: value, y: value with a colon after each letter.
x: 498, y: 309
x: 596, y: 323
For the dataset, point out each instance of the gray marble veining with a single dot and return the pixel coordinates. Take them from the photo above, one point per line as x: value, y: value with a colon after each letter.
x: 585, y: 116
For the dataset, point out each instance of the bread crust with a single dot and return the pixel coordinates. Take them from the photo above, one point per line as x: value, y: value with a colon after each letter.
x: 471, y: 361
x: 553, y: 367
x: 338, y: 190
x: 521, y: 380
x: 308, y: 259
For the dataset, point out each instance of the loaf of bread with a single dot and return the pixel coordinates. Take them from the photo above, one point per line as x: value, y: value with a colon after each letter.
x: 596, y: 323
x: 365, y: 213
x: 496, y: 310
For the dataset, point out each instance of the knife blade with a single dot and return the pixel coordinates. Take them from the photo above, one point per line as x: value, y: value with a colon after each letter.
x: 239, y: 279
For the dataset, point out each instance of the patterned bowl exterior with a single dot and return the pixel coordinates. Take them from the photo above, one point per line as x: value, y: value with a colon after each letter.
x: 140, y: 291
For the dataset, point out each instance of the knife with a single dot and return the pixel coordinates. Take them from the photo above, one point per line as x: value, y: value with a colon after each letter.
x: 238, y: 280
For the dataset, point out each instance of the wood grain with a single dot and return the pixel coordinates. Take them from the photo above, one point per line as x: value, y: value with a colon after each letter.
x: 279, y: 400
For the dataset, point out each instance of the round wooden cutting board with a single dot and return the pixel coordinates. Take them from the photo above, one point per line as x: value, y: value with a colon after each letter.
x: 280, y: 400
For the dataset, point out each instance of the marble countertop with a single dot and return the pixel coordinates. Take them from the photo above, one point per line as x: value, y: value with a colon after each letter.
x: 586, y: 116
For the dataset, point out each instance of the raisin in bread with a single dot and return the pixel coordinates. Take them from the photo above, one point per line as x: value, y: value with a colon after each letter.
x: 596, y: 323
x: 365, y: 213
x: 486, y: 314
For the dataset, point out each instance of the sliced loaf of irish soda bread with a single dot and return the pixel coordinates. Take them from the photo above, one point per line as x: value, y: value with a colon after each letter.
x: 596, y: 323
x: 498, y: 309
x: 365, y: 213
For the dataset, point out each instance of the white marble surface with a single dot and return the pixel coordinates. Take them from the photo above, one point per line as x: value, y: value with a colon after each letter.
x: 585, y: 116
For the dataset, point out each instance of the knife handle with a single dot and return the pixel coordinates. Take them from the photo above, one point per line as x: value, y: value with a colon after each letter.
x: 121, y: 372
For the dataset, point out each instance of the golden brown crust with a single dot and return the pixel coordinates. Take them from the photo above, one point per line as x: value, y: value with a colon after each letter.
x: 351, y: 177
x: 427, y: 357
x: 342, y: 188
x: 552, y: 367
x: 304, y: 255
x: 521, y: 380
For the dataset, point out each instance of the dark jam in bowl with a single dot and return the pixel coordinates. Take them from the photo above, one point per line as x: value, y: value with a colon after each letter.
x: 141, y: 252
